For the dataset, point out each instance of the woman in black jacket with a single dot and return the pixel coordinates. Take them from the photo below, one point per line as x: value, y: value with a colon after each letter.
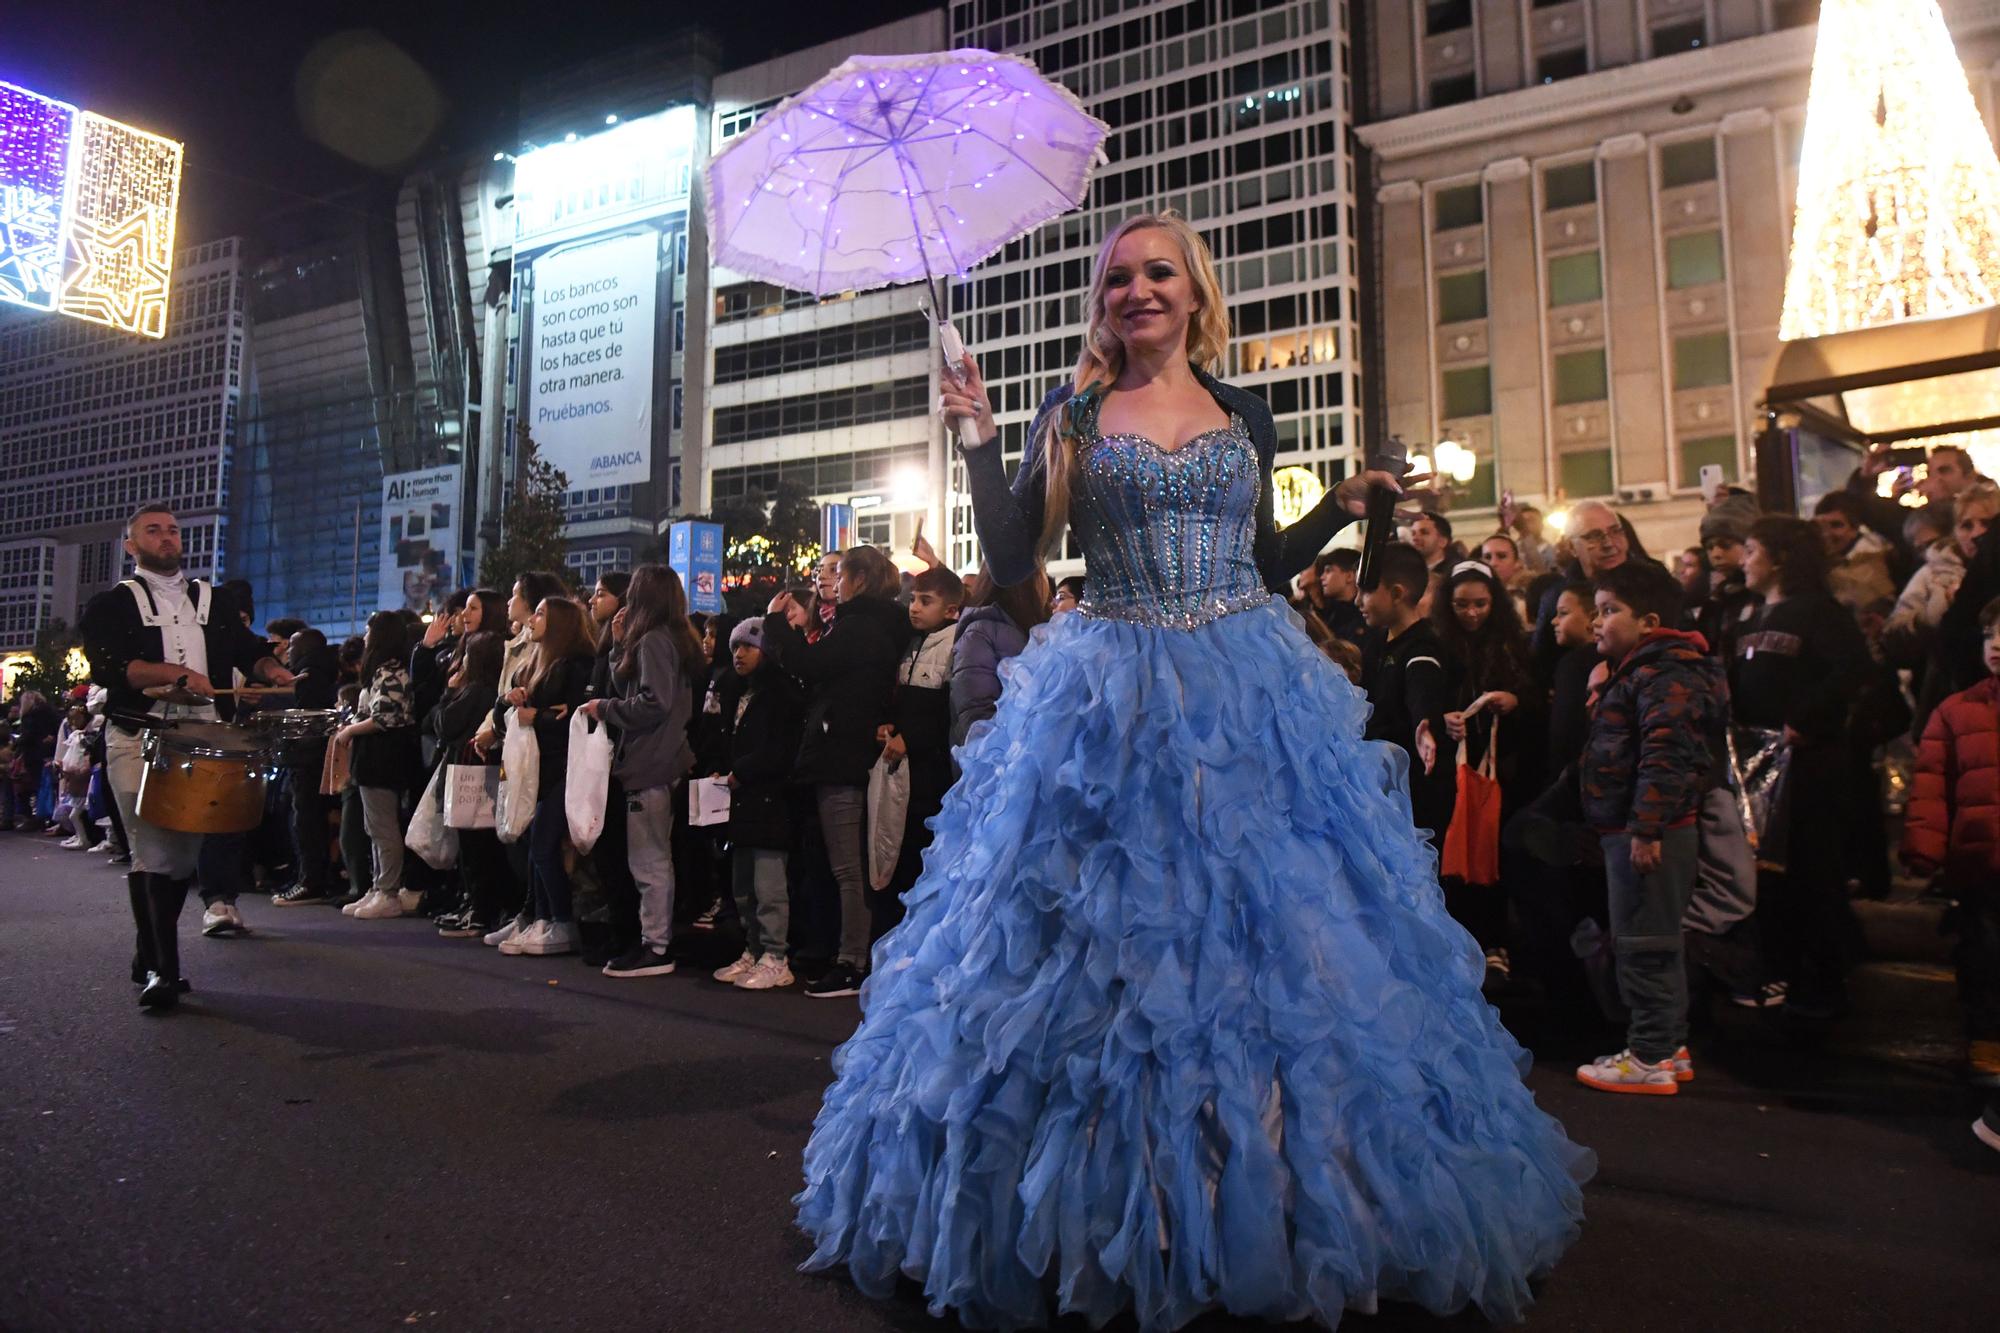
x: 555, y: 681
x: 849, y: 675
x: 1795, y: 670
x: 609, y: 859
x: 470, y: 691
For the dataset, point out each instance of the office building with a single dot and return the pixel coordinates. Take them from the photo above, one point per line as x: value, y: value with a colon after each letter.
x: 1584, y: 220
x: 95, y: 422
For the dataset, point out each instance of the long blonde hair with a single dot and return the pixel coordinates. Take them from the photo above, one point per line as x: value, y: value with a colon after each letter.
x: 1103, y: 356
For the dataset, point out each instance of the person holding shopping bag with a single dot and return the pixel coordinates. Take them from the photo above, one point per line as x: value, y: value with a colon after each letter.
x: 649, y: 706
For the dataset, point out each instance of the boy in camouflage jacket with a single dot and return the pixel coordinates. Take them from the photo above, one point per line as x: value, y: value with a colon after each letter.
x: 1652, y: 753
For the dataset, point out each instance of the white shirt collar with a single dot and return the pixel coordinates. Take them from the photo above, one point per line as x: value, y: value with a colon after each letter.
x: 172, y: 585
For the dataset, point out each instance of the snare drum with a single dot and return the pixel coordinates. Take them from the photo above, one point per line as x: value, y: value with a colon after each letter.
x: 296, y: 724
x: 203, y: 777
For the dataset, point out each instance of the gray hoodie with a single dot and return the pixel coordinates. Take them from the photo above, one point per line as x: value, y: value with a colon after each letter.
x: 651, y: 714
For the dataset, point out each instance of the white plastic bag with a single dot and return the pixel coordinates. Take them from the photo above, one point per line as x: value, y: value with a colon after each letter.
x: 520, y: 778
x: 708, y: 802
x: 428, y: 835
x: 75, y: 758
x: 471, y: 795
x: 589, y: 781
x: 888, y: 806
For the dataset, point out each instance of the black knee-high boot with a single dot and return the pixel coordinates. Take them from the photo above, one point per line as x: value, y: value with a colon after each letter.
x: 142, y: 919
x: 165, y: 897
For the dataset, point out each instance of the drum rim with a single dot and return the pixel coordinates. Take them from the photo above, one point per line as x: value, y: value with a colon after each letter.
x: 181, y: 743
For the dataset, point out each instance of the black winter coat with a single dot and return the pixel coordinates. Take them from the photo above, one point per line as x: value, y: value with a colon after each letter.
x: 567, y: 684
x: 849, y: 676
x: 761, y: 753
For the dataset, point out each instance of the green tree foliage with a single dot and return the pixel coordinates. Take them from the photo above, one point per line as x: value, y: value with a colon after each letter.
x: 50, y: 671
x: 531, y: 526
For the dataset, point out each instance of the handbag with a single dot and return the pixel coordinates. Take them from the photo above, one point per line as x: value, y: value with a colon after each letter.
x: 333, y: 769
x: 1761, y: 764
x: 471, y: 796
x: 708, y: 802
x: 888, y: 808
x: 588, y: 785
x: 520, y: 779
x: 1472, y: 843
x: 428, y: 835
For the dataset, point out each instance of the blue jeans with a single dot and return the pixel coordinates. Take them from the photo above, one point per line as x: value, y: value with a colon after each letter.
x: 1646, y: 913
x: 548, y: 882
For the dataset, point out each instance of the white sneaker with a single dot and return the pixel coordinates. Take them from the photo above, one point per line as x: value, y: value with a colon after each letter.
x: 1626, y: 1072
x: 736, y: 970
x: 235, y: 917
x: 354, y: 908
x: 505, y: 933
x: 770, y: 973
x: 378, y: 906
x: 519, y: 944
x: 72, y: 842
x: 556, y: 937
x: 215, y: 919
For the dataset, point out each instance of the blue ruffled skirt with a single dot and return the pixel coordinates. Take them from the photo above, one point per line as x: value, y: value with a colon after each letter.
x: 1177, y: 1020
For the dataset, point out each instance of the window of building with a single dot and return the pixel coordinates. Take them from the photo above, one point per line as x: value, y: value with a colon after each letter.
x: 872, y: 529
x: 1447, y: 15
x: 1570, y: 185
x: 1562, y: 65
x: 1574, y: 279
x: 1688, y: 162
x: 1585, y: 473
x: 1581, y: 377
x: 1468, y: 392
x: 1716, y: 450
x: 1672, y: 38
x: 1462, y: 296
x: 1457, y: 206
x: 1694, y: 260
x: 1454, y: 90
x: 1701, y: 360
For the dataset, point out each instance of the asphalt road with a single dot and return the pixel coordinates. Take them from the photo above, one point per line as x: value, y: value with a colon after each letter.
x: 356, y: 1125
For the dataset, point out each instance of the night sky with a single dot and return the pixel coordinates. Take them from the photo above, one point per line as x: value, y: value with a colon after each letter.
x: 227, y: 82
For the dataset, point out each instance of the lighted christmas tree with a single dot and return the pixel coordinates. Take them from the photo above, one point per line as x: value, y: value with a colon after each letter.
x: 1899, y: 191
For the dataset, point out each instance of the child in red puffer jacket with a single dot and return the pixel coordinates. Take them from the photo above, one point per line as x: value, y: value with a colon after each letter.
x: 1954, y: 825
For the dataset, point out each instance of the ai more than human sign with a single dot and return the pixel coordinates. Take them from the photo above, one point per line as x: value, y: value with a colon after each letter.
x: 87, y: 208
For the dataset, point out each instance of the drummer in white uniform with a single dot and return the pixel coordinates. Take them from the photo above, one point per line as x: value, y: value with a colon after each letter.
x: 161, y: 631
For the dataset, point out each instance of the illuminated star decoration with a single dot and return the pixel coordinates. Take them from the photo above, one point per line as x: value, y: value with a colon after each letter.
x: 122, y: 227
x: 35, y: 138
x: 1899, y: 191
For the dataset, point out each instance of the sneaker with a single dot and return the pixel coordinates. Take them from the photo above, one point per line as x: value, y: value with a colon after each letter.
x: 378, y: 907
x: 839, y: 979
x: 494, y: 939
x: 410, y: 901
x: 1626, y: 1072
x: 522, y: 938
x: 72, y: 842
x: 215, y: 919
x: 706, y: 921
x: 1987, y: 1128
x: 121, y: 857
x: 641, y: 960
x: 299, y: 895
x: 1683, y: 1066
x: 770, y: 973
x: 353, y: 904
x: 235, y: 917
x: 459, y: 928
x: 736, y: 970
x: 1498, y: 967
x: 555, y: 937
x: 1771, y: 995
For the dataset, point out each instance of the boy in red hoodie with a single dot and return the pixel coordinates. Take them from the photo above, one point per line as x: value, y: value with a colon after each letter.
x: 1953, y: 824
x: 1649, y: 758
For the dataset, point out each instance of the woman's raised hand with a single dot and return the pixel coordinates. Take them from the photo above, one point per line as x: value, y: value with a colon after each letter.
x: 964, y: 397
x: 1352, y: 494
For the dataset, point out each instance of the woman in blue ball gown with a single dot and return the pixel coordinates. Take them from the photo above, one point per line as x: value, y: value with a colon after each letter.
x: 1177, y: 1020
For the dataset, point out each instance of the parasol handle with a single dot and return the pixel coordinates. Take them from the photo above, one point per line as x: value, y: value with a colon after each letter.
x: 953, y: 348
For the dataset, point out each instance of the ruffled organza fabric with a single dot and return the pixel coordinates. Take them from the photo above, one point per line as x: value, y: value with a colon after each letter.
x: 1177, y: 1020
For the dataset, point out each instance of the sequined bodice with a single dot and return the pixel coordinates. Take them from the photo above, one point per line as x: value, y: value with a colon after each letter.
x: 1167, y: 535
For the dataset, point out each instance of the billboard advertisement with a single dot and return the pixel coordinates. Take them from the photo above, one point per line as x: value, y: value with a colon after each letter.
x: 420, y: 538
x: 589, y: 185
x: 590, y: 360
x: 694, y: 550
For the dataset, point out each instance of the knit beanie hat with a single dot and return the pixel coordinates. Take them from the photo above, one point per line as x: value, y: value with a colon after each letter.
x: 750, y: 631
x: 1729, y: 521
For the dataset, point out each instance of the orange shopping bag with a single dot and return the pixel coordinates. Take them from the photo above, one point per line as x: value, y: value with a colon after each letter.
x: 1472, y: 843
